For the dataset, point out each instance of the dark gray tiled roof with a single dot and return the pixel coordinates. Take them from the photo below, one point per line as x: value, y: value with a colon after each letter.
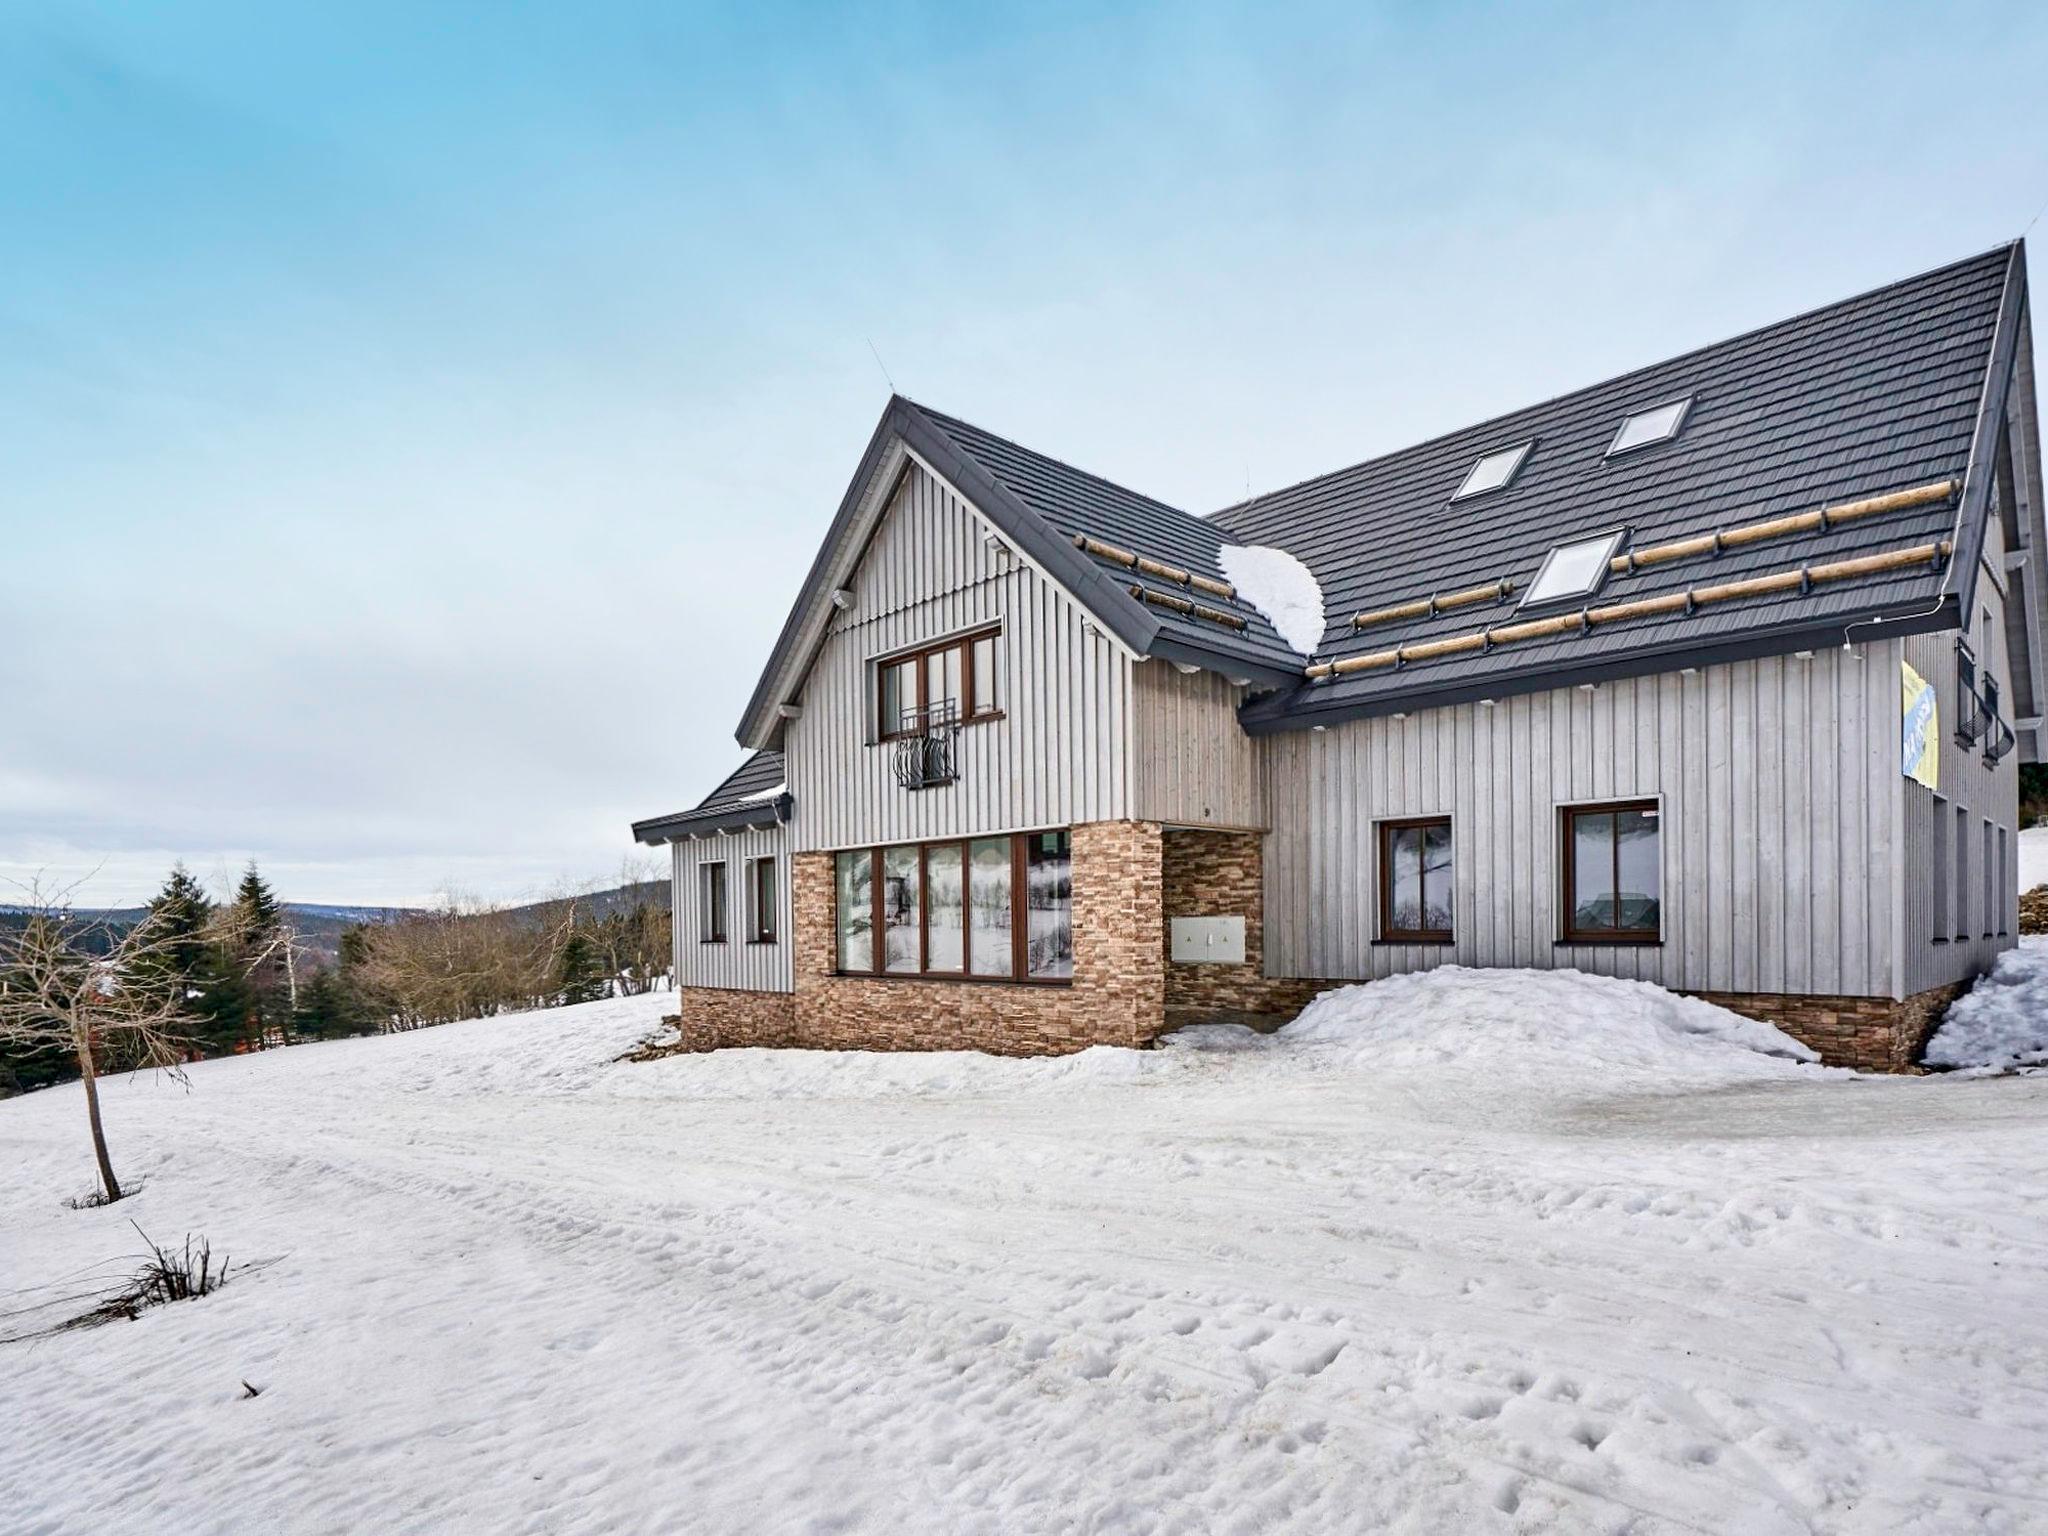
x: 1875, y: 394
x: 745, y: 784
x: 738, y: 801
x: 1075, y: 502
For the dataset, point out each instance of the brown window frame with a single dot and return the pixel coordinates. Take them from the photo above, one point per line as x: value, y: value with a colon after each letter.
x: 973, y: 711
x: 1020, y: 928
x: 1568, y: 869
x: 1389, y: 934
x: 715, y: 919
x: 761, y: 905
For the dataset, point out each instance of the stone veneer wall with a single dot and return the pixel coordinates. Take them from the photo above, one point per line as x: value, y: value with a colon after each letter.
x: 1117, y: 996
x: 1222, y: 874
x: 1876, y: 1034
x: 711, y: 1018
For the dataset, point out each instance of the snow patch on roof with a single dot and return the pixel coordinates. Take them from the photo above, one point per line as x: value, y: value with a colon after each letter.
x: 770, y: 793
x: 2003, y: 1020
x: 1281, y: 588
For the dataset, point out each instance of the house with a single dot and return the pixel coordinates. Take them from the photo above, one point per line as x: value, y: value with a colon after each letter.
x: 1716, y: 674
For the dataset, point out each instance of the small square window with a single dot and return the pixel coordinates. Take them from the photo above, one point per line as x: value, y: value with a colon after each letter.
x: 1658, y: 424
x: 1494, y: 470
x: 1574, y: 570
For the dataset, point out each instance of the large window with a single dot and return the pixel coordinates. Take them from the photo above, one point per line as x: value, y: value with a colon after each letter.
x: 713, y: 912
x: 955, y: 680
x: 1612, y: 874
x: 761, y: 901
x: 950, y: 909
x: 1415, y: 881
x: 856, y: 888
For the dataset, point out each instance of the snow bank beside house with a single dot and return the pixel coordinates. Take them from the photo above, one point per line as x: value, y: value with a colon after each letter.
x: 2003, y: 1020
x: 1281, y: 588
x: 1533, y: 1028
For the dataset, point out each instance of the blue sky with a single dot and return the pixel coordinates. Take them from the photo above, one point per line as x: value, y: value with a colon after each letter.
x: 415, y: 420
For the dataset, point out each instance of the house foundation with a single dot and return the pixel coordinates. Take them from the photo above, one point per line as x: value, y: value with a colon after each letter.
x: 1871, y: 1034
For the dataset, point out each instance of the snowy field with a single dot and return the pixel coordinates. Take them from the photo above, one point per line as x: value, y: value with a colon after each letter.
x: 1496, y: 1252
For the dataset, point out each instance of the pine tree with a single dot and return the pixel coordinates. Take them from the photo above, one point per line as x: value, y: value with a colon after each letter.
x: 579, y: 974
x: 192, y: 965
x: 263, y: 959
x: 256, y: 906
x: 184, y: 913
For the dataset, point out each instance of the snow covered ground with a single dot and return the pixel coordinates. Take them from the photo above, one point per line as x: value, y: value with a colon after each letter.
x: 1469, y: 1252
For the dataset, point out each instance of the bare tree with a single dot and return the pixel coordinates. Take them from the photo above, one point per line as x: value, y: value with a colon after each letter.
x: 109, y: 995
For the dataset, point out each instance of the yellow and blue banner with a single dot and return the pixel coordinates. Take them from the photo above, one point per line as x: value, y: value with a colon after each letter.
x: 1922, y: 734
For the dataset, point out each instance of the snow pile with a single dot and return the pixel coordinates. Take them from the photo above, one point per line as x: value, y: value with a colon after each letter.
x: 2003, y: 1020
x: 797, y: 1074
x: 1281, y: 588
x: 2033, y: 857
x: 1528, y: 1028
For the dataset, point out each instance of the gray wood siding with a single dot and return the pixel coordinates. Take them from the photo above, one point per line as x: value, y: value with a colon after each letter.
x: 735, y: 964
x: 1777, y: 784
x: 1191, y: 764
x: 1059, y: 756
x: 1975, y: 932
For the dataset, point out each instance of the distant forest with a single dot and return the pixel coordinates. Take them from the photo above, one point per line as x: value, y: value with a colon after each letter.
x: 258, y: 974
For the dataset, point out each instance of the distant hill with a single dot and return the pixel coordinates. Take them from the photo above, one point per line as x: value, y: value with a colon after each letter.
x: 319, y: 926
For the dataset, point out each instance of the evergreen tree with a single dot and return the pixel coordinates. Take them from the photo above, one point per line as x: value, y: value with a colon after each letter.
x: 184, y: 913
x: 262, y: 959
x: 192, y: 964
x: 579, y: 974
x: 256, y: 907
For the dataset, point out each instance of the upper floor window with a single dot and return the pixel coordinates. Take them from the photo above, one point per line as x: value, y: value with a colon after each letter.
x: 1415, y: 881
x: 1612, y: 874
x: 712, y: 911
x: 946, y: 683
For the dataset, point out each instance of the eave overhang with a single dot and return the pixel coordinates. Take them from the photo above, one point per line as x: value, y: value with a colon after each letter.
x: 1299, y: 711
x: 657, y: 830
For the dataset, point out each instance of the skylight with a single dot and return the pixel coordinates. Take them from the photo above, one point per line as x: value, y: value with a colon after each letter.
x: 1494, y: 470
x: 1574, y: 570
x: 1658, y: 424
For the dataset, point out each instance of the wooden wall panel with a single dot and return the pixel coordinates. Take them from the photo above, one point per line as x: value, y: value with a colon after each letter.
x: 1777, y: 782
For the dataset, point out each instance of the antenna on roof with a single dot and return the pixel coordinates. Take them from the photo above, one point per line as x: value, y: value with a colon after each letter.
x: 880, y: 364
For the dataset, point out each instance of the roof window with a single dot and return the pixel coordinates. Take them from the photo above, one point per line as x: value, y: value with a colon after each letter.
x: 1494, y: 470
x: 1574, y: 570
x: 1657, y: 425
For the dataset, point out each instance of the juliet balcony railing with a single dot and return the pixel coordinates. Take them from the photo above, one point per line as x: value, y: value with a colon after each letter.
x: 1978, y: 722
x: 926, y: 749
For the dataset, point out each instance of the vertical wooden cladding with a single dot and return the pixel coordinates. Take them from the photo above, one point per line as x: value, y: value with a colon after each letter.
x: 1963, y: 949
x: 735, y: 964
x: 1191, y: 763
x: 1060, y: 754
x: 1776, y: 782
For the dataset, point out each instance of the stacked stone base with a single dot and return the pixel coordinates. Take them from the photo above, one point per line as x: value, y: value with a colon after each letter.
x: 1872, y: 1034
x: 713, y: 1018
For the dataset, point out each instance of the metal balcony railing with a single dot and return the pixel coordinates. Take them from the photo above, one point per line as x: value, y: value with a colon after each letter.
x: 926, y: 755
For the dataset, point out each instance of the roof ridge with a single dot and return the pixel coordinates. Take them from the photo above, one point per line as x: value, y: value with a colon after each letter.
x: 2004, y: 248
x: 943, y: 419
